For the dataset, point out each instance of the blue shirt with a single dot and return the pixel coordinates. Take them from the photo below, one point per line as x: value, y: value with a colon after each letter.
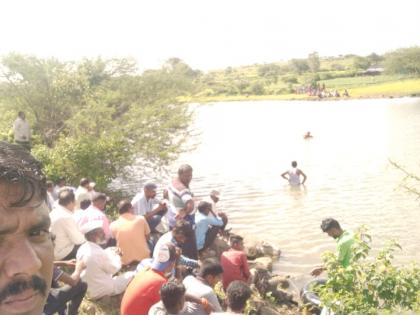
x: 202, y: 223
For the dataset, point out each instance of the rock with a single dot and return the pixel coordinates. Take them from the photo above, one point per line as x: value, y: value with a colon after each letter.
x: 268, y: 310
x: 264, y: 263
x: 267, y: 249
x: 254, y: 252
x: 279, y: 281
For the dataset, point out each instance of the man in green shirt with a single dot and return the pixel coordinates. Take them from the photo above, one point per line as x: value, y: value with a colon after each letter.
x: 344, y: 240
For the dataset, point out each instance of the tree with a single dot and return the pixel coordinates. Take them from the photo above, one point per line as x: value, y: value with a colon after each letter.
x: 361, y: 63
x: 403, y: 61
x: 313, y: 61
x: 299, y: 66
x: 94, y: 117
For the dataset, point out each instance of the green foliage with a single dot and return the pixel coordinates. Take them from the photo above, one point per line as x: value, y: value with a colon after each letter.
x: 257, y: 89
x: 361, y: 63
x: 403, y: 61
x: 313, y: 62
x: 94, y: 117
x: 299, y: 66
x: 369, y: 285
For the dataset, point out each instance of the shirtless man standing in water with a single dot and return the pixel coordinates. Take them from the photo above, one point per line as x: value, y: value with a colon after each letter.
x: 293, y: 175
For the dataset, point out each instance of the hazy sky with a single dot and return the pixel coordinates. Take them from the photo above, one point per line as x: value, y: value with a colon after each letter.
x: 206, y: 34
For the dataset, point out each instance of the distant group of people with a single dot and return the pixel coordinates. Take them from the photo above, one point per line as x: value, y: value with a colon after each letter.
x: 320, y: 91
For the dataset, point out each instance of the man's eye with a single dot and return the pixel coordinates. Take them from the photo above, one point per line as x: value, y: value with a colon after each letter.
x: 39, y: 235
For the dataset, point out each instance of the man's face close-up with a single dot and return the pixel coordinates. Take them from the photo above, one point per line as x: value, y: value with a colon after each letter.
x: 26, y: 255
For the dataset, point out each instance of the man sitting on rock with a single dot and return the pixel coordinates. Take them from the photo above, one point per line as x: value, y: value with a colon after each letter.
x: 237, y: 294
x: 207, y: 225
x: 201, y: 287
x: 101, y: 265
x: 234, y: 262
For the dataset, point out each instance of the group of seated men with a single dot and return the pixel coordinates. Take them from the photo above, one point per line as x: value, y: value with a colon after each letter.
x: 121, y: 257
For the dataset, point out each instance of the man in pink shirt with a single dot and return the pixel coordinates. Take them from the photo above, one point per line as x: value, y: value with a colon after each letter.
x: 96, y: 212
x: 234, y: 262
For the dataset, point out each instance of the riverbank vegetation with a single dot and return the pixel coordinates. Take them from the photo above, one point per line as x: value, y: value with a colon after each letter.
x: 93, y: 118
x: 370, y: 286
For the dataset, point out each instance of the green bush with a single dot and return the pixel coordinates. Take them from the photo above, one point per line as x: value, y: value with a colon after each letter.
x: 368, y: 286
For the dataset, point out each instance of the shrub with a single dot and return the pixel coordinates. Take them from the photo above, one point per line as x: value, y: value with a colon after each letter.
x: 369, y: 285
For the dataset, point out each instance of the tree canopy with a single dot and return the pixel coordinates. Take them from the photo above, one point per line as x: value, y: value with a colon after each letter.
x: 92, y: 118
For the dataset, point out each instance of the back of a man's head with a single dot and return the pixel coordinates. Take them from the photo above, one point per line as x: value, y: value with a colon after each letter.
x: 210, y: 267
x: 183, y: 228
x: 294, y: 164
x: 84, y: 182
x: 124, y: 206
x: 66, y: 197
x: 238, y: 293
x: 184, y: 168
x: 172, y: 296
x: 329, y: 223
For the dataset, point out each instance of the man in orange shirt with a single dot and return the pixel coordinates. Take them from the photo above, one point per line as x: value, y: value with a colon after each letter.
x: 131, y: 233
x: 143, y: 290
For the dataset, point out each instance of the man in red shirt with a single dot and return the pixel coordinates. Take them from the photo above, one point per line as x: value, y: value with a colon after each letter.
x: 143, y: 290
x: 234, y: 262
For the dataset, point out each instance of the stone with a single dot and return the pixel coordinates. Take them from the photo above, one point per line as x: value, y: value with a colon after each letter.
x: 265, y: 263
x: 279, y: 281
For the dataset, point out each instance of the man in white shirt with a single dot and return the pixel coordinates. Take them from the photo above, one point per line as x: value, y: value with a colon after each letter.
x: 101, y: 265
x: 22, y: 131
x: 96, y: 212
x: 202, y: 286
x: 147, y: 205
x: 82, y: 192
x: 68, y: 237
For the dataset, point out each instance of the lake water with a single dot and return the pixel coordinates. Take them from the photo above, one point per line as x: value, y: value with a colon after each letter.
x: 245, y: 146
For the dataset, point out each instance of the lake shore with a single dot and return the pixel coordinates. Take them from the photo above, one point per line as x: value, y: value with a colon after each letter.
x: 394, y: 89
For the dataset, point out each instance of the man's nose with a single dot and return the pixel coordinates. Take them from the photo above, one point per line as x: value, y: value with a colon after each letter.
x: 21, y: 259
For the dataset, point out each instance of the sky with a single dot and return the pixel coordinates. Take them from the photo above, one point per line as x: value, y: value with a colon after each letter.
x: 206, y: 34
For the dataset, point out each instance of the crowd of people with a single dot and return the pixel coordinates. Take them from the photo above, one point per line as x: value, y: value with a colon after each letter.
x: 57, y: 244
x: 320, y: 91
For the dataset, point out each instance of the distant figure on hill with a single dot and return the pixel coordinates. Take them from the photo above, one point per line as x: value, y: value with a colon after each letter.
x: 346, y: 93
x: 293, y: 175
x: 22, y: 131
x: 307, y: 135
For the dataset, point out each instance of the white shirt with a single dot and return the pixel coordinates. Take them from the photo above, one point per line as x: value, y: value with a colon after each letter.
x: 81, y: 194
x: 21, y: 130
x: 200, y: 290
x: 101, y: 265
x: 142, y: 205
x: 66, y: 231
x: 164, y: 239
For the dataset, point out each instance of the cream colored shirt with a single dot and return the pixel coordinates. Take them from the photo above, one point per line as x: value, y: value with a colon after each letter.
x: 66, y: 231
x: 21, y: 130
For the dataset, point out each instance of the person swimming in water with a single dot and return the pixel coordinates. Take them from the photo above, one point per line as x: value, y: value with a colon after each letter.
x: 293, y: 175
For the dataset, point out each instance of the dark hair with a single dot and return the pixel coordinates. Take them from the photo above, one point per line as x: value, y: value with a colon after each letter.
x: 99, y: 196
x: 84, y: 181
x: 65, y: 196
x: 61, y: 179
x: 203, y: 205
x: 184, y: 168
x: 329, y: 223
x: 235, y: 238
x: 124, y: 206
x: 294, y: 163
x: 171, y: 293
x: 183, y: 227
x: 18, y: 166
x: 84, y: 204
x: 238, y: 292
x: 210, y: 267
x: 50, y: 184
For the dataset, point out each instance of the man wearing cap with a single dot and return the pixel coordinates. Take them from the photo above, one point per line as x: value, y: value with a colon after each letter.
x: 95, y: 212
x: 101, y: 265
x: 143, y: 291
x: 147, y: 205
x: 26, y: 247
